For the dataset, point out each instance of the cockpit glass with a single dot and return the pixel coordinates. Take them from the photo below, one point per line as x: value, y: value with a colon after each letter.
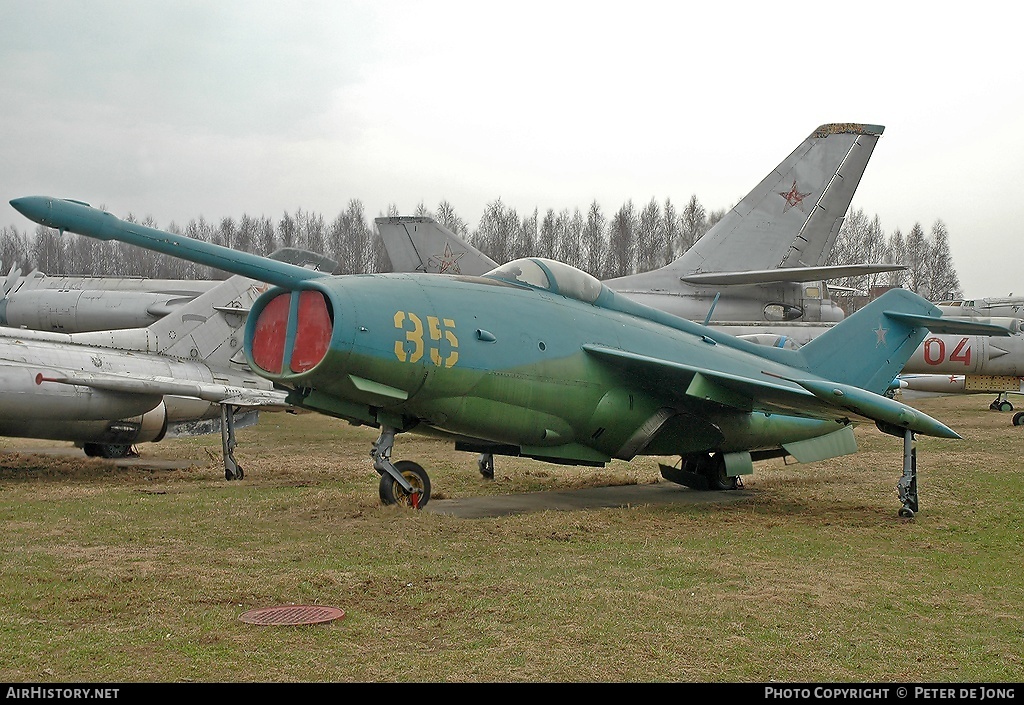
x: 522, y: 271
x: 556, y: 277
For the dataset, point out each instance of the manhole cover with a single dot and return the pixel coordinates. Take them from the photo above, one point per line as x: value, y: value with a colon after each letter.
x: 290, y: 615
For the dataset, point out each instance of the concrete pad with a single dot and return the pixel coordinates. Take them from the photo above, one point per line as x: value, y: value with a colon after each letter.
x: 74, y: 452
x: 589, y: 498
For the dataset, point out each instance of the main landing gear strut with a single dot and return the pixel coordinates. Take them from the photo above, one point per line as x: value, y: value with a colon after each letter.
x: 404, y: 482
x: 232, y: 470
x: 907, y: 486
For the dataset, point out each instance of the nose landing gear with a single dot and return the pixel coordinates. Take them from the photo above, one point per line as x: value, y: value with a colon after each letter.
x: 404, y: 482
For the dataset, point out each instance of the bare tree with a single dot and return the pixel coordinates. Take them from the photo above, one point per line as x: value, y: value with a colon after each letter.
x: 266, y: 237
x: 316, y: 233
x: 496, y: 232
x: 916, y: 259
x: 649, y: 240
x: 288, y: 230
x: 199, y: 230
x: 548, y: 235
x: 350, y: 241
x: 622, y: 241
x: 594, y: 242
x: 569, y: 238
x: 15, y: 252
x: 943, y: 281
x: 524, y: 243
x: 48, y: 250
x: 850, y: 246
x: 447, y: 217
x: 694, y: 225
x: 897, y: 255
x: 671, y: 231
x: 247, y: 234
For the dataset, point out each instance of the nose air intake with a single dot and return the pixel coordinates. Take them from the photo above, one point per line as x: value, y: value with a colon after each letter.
x: 292, y: 333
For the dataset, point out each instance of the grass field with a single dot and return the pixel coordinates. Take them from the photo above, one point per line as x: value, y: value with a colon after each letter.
x: 136, y: 575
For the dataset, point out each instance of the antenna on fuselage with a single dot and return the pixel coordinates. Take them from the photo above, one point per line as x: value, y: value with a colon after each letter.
x: 711, y: 310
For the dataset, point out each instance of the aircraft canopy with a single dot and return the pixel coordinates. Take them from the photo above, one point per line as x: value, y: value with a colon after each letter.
x: 551, y: 275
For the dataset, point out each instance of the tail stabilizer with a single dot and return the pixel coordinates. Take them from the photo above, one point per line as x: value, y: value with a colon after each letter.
x: 869, y: 348
x: 421, y: 244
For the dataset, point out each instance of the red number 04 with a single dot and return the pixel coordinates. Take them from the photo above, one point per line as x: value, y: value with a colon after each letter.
x: 935, y: 352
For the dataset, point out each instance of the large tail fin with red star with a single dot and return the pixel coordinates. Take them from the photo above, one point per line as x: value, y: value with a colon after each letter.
x: 792, y: 218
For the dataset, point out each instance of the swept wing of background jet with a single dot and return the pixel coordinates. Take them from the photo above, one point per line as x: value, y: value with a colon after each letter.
x: 540, y: 359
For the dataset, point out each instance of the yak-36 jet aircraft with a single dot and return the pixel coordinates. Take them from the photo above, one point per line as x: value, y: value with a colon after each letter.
x: 541, y: 360
x: 763, y: 263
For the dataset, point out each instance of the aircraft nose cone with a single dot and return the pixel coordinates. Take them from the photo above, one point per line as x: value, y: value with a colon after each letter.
x: 32, y: 207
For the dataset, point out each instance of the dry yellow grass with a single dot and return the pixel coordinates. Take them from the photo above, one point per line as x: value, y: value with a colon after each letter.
x: 132, y: 575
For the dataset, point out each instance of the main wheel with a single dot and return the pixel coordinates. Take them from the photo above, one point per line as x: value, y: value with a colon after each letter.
x: 393, y: 493
x: 714, y: 470
x: 107, y: 450
x: 485, y: 464
x: 1018, y: 418
x: 1006, y: 406
x: 117, y: 451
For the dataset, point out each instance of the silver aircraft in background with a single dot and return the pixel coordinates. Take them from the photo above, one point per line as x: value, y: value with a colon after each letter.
x: 108, y: 390
x: 763, y: 263
x: 990, y: 306
x: 79, y: 304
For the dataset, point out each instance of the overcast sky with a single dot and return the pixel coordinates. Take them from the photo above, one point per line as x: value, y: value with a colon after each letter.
x: 177, y: 109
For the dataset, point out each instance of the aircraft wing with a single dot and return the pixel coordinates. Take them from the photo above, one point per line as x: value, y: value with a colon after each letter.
x: 812, y: 398
x: 262, y: 399
x: 790, y: 274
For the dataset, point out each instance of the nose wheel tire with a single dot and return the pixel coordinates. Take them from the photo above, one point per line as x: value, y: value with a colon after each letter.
x: 391, y: 492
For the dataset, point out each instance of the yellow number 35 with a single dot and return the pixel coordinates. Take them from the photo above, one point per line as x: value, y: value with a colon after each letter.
x: 440, y: 329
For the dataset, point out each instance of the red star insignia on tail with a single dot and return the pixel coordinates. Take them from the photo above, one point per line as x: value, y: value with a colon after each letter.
x: 793, y: 197
x: 448, y: 263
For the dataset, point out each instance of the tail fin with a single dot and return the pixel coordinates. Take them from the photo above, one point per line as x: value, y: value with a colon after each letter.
x: 791, y: 218
x: 869, y: 348
x: 421, y: 244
